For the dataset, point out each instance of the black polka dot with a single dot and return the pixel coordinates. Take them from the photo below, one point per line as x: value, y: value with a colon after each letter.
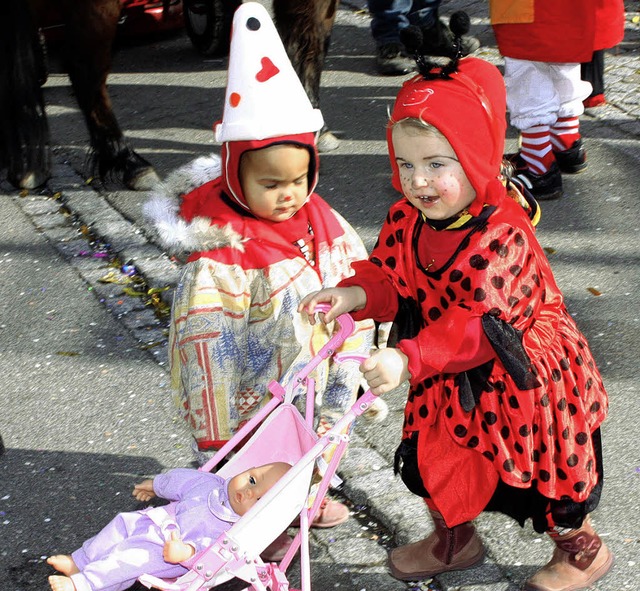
x: 512, y: 301
x: 518, y: 447
x: 376, y: 261
x: 390, y: 262
x: 398, y: 215
x: 582, y: 438
x: 572, y: 461
x: 422, y: 295
x: 565, y: 433
x: 497, y: 282
x: 473, y: 442
x: 526, y: 290
x: 488, y: 455
x: 466, y: 284
x: 490, y: 418
x: 444, y: 303
x: 460, y: 431
x: 253, y: 24
x: 478, y: 262
x: 528, y: 312
x: 535, y: 456
x: 562, y: 404
x: 544, y: 401
x: 423, y: 411
x: 562, y: 475
x: 515, y: 270
x: 518, y: 239
x: 526, y: 476
x: 556, y: 375
x: 579, y: 486
x: 513, y: 402
x: 509, y: 465
x: 504, y: 432
x: 535, y: 279
x: 448, y: 412
x: 545, y: 476
x: 479, y: 295
x: 595, y: 407
x: 400, y: 235
x: 524, y: 431
x: 452, y: 294
x: 391, y: 240
x: 434, y: 313
x: 455, y: 276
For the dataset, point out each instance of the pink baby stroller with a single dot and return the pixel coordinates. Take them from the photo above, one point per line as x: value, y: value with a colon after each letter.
x: 282, y: 434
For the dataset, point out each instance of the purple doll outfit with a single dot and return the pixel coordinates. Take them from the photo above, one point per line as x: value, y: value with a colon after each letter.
x: 132, y: 543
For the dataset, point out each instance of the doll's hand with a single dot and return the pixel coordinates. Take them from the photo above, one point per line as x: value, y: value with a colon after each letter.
x: 385, y: 370
x: 175, y: 550
x: 341, y: 299
x: 144, y: 490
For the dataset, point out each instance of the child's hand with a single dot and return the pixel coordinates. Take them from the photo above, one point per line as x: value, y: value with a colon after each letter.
x: 175, y: 550
x: 144, y: 490
x: 341, y: 299
x: 385, y: 370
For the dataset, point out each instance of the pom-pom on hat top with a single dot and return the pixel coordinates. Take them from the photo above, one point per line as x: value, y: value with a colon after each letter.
x: 468, y: 106
x: 264, y: 96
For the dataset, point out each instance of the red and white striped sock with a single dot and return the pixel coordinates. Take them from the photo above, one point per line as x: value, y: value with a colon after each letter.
x: 564, y: 133
x: 535, y: 148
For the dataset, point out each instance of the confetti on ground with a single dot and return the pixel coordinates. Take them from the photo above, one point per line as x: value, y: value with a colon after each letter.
x: 68, y: 353
x: 550, y: 250
x: 594, y: 291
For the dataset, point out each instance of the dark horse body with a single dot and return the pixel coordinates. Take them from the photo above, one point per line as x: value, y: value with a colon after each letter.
x: 90, y: 27
x: 305, y: 28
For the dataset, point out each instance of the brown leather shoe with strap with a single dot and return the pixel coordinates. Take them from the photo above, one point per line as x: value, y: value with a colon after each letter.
x: 579, y: 560
x: 446, y: 549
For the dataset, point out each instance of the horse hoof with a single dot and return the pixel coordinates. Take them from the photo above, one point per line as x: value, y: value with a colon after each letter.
x: 29, y: 180
x: 327, y: 142
x: 143, y: 179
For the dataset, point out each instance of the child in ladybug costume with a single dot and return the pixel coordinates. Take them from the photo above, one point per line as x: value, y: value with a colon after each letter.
x: 505, y: 401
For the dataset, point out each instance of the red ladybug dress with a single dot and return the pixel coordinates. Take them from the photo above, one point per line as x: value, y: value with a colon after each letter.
x: 504, y: 388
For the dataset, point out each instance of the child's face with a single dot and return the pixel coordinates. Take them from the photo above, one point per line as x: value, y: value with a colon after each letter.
x: 432, y: 178
x: 246, y: 489
x: 274, y: 181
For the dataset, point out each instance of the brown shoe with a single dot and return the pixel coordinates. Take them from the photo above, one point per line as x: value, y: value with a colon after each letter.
x: 579, y: 560
x: 446, y: 549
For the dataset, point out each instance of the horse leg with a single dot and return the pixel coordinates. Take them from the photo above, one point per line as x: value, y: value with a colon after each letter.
x: 305, y: 29
x: 91, y: 28
x: 24, y: 132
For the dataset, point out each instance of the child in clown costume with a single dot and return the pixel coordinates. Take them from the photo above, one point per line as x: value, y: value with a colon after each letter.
x: 505, y: 401
x: 258, y: 239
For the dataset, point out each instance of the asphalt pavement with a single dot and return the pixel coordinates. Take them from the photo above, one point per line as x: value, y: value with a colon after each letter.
x: 87, y: 412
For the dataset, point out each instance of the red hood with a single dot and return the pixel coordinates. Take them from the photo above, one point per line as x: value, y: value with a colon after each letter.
x: 232, y: 151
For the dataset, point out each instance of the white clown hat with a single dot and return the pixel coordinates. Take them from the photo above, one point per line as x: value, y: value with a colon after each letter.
x: 264, y: 96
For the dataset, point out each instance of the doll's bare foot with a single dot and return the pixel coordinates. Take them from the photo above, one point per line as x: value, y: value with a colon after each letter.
x: 64, y: 564
x: 59, y: 583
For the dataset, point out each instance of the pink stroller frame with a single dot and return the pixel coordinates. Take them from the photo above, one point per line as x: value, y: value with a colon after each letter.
x: 282, y: 434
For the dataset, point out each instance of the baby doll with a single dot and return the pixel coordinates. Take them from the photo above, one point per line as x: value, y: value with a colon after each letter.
x: 163, y: 540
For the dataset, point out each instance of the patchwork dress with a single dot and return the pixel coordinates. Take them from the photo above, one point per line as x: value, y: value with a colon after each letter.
x: 235, y: 325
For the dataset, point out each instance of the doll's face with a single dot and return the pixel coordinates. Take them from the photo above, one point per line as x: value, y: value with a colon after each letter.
x: 246, y: 489
x: 275, y: 181
x: 431, y: 176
